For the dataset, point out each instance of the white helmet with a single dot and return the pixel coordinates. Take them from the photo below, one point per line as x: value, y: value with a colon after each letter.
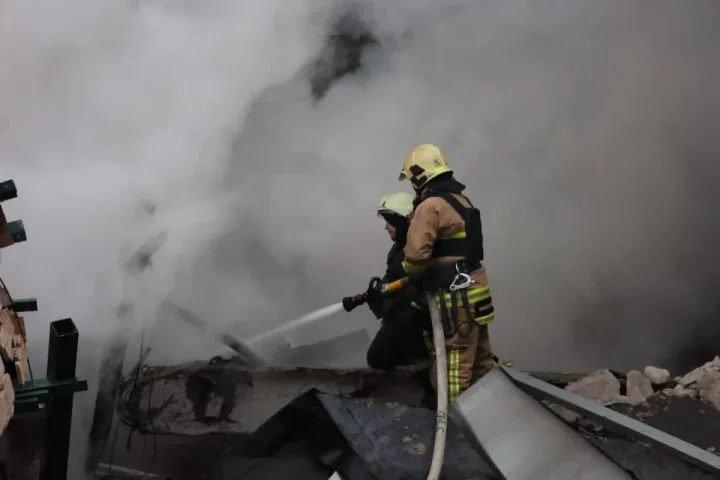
x: 399, y: 203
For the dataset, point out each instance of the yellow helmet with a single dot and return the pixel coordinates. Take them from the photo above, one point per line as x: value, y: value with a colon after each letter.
x: 424, y: 163
x: 400, y: 203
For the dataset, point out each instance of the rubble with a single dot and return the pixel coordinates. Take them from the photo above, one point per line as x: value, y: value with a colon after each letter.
x: 638, y: 388
x: 698, y: 374
x: 179, y: 401
x: 686, y: 407
x: 657, y: 376
x: 709, y: 389
x: 680, y: 391
x: 604, y: 387
x: 600, y: 385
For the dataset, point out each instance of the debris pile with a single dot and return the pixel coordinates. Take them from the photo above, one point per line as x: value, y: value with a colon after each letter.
x: 687, y: 407
x: 635, y: 387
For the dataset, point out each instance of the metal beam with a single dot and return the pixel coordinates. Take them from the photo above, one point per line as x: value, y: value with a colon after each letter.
x: 615, y: 421
x: 35, y: 394
x: 21, y: 305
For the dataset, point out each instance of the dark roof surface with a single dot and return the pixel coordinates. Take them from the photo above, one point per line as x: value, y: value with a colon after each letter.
x: 318, y: 434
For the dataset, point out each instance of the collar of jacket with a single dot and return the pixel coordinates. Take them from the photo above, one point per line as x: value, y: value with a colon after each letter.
x: 449, y: 185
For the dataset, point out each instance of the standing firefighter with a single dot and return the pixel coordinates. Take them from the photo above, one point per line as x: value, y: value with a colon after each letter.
x: 445, y: 249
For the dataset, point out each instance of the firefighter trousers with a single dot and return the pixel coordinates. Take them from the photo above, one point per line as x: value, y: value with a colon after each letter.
x: 399, y: 341
x: 469, y: 355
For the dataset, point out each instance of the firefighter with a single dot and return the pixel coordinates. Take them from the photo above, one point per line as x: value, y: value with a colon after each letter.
x: 404, y: 315
x: 444, y: 250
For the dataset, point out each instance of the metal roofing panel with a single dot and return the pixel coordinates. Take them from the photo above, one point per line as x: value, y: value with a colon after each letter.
x: 523, y: 439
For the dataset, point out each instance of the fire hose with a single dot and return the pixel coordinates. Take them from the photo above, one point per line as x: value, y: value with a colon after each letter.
x: 387, y: 289
x: 442, y: 389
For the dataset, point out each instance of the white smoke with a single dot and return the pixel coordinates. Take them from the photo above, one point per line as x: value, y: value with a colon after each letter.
x: 583, y: 133
x: 110, y: 106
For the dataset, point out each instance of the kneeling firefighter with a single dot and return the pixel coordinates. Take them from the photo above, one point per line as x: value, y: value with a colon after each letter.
x: 444, y: 250
x: 404, y: 314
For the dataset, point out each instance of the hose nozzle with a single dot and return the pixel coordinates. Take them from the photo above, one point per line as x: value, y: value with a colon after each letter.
x: 383, y: 290
x: 351, y: 303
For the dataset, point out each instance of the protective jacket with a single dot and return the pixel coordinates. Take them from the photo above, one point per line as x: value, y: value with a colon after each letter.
x: 437, y: 238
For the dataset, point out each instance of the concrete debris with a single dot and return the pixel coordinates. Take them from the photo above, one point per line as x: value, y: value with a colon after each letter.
x: 699, y: 373
x: 638, y: 388
x: 680, y: 391
x: 656, y: 375
x: 603, y: 387
x: 600, y: 386
x: 709, y: 389
x: 703, y: 382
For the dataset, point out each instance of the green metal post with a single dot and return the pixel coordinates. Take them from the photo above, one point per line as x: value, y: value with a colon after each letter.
x: 61, y: 364
x: 24, y: 305
x: 8, y: 190
x: 16, y: 229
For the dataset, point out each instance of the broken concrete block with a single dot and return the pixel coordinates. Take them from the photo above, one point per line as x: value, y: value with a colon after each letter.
x: 600, y: 386
x: 709, y: 389
x: 680, y: 391
x: 696, y: 375
x: 657, y: 375
x: 639, y: 387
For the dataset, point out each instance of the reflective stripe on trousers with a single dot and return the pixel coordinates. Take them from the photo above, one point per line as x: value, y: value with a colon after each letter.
x: 480, y: 296
x: 453, y: 367
x: 453, y: 362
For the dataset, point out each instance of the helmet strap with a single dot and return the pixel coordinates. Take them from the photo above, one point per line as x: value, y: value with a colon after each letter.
x: 418, y: 197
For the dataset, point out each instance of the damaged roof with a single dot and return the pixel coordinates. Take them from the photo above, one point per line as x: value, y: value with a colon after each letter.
x: 367, y: 424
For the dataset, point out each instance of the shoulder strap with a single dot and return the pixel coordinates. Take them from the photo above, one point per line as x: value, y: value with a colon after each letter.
x: 454, y: 202
x: 470, y: 246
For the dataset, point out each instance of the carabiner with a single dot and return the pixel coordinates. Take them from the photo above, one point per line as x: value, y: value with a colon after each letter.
x: 461, y: 282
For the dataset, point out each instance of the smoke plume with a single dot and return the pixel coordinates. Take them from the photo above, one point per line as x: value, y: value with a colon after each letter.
x: 584, y: 131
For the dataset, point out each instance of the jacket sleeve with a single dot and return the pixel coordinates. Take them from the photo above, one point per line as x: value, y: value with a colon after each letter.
x: 376, y: 307
x: 421, y: 238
